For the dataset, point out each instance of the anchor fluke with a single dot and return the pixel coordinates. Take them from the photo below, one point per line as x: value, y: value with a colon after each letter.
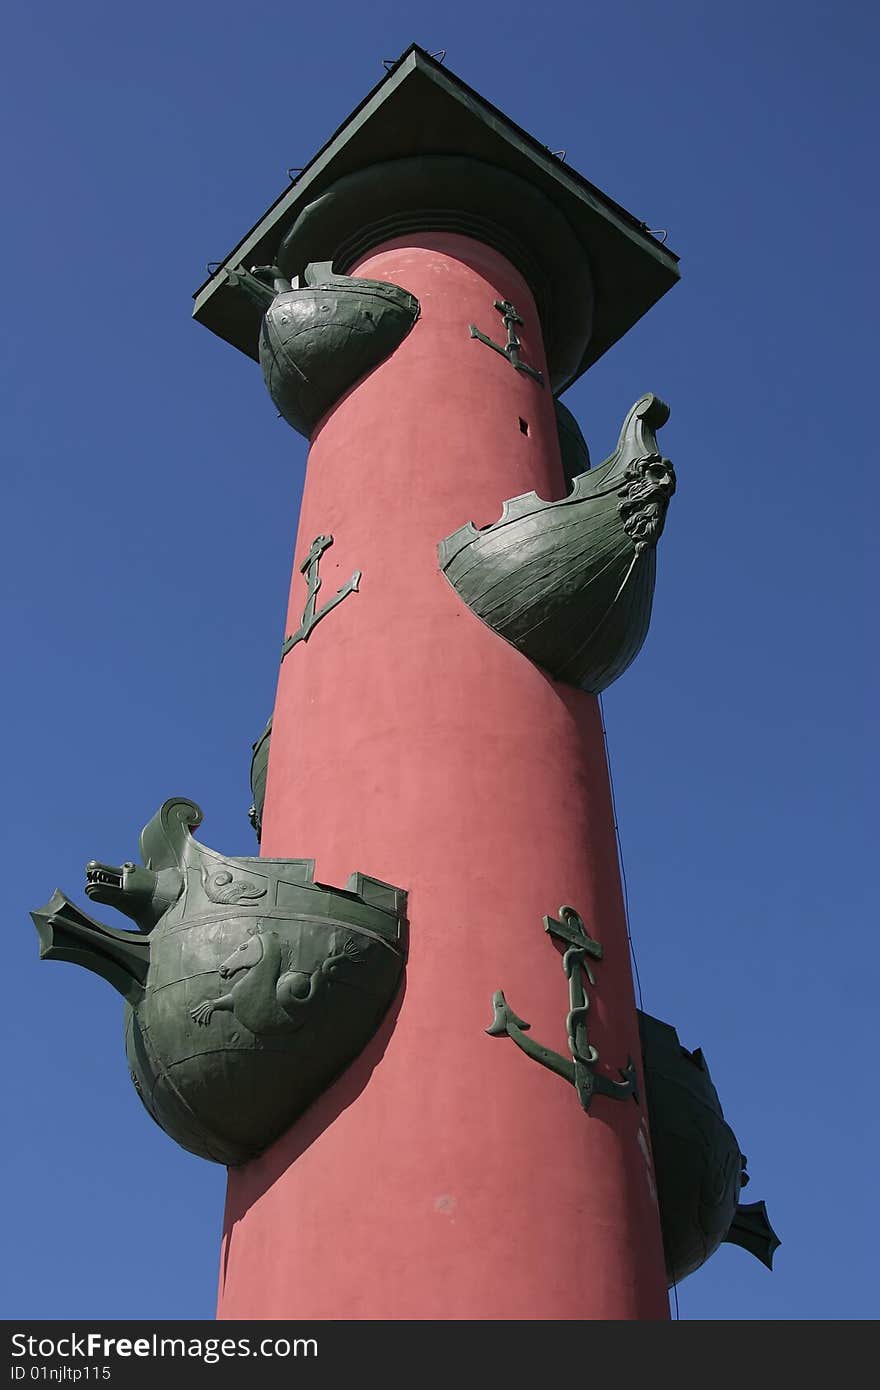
x: 504, y: 1015
x: 569, y: 929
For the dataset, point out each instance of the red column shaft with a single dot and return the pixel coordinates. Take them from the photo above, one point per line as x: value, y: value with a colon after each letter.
x: 446, y: 1175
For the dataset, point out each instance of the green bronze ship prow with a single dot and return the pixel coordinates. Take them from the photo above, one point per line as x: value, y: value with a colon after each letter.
x: 249, y: 987
x: 570, y: 583
x: 319, y: 339
x: 698, y: 1164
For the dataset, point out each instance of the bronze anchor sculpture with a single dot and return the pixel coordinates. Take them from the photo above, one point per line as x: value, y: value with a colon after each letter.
x: 311, y: 617
x: 584, y: 1056
x: 511, y: 349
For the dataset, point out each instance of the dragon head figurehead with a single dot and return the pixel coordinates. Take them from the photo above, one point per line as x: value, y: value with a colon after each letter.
x: 142, y: 894
x: 146, y: 892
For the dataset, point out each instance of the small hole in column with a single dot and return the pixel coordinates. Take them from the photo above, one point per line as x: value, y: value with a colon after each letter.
x: 523, y: 426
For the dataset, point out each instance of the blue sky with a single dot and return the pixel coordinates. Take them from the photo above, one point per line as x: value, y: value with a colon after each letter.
x: 150, y: 515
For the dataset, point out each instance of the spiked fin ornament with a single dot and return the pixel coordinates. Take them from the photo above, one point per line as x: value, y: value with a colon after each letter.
x: 751, y: 1230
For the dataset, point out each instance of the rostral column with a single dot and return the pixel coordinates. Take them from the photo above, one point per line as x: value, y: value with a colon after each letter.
x: 401, y: 1142
x: 445, y: 1174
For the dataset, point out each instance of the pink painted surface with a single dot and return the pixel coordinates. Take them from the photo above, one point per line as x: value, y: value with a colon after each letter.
x: 446, y: 1175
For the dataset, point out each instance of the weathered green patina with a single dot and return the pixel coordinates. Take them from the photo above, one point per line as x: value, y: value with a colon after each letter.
x: 571, y: 583
x: 316, y: 342
x: 511, y: 348
x: 457, y: 193
x: 312, y: 615
x: 580, y: 1070
x: 249, y: 987
x: 424, y: 151
x: 697, y: 1160
x: 259, y: 773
